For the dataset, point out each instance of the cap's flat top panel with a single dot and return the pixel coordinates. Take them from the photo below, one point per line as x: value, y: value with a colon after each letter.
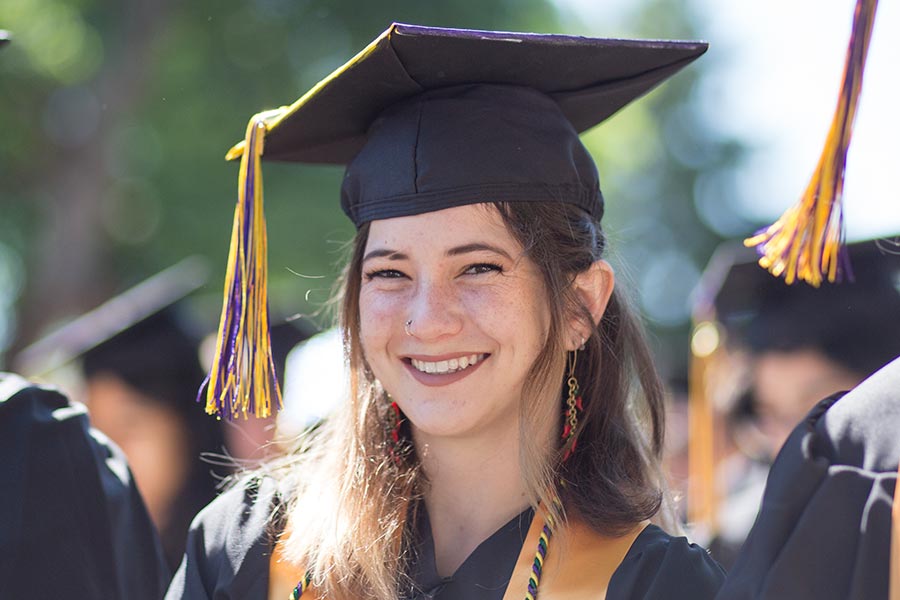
x: 590, y: 78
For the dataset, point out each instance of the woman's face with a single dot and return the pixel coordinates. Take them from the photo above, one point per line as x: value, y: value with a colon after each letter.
x: 479, y: 316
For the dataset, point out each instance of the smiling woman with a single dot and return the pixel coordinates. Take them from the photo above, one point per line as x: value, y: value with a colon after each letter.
x: 503, y: 431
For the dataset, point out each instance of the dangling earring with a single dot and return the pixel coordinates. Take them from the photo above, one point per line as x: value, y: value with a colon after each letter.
x: 573, y: 408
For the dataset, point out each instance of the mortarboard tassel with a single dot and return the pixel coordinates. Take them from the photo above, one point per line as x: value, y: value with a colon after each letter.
x: 807, y: 242
x: 242, y: 379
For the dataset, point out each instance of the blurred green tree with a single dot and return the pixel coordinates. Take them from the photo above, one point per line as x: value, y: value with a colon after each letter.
x: 117, y: 115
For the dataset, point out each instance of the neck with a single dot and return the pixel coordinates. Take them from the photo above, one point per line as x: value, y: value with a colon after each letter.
x: 466, y: 473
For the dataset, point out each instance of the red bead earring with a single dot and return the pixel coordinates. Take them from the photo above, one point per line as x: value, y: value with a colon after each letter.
x: 397, y: 448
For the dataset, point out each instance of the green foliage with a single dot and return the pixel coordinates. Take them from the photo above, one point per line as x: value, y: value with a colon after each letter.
x: 150, y: 95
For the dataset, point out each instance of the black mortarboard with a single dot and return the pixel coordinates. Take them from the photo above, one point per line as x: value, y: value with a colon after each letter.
x: 428, y: 118
x: 854, y: 323
x: 454, y: 116
x: 145, y: 310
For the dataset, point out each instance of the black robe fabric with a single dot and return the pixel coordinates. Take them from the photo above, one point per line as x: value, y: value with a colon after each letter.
x: 230, y: 543
x: 823, y: 531
x: 72, y: 524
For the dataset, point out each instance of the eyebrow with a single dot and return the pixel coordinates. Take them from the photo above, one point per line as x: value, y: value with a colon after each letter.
x: 455, y: 251
x: 478, y: 247
x: 385, y: 252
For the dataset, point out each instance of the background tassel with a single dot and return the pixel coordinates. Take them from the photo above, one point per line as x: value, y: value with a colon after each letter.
x: 242, y: 380
x: 807, y: 242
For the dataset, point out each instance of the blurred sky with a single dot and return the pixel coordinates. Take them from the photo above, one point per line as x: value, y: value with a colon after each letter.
x: 778, y: 66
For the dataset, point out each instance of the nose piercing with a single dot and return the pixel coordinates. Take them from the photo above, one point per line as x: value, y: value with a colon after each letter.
x: 406, y: 328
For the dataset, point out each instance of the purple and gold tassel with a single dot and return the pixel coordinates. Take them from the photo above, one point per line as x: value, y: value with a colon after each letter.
x: 807, y: 242
x: 242, y: 379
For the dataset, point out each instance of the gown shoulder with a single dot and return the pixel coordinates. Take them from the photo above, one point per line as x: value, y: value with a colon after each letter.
x: 824, y: 527
x: 229, y: 544
x: 660, y: 566
x: 71, y: 517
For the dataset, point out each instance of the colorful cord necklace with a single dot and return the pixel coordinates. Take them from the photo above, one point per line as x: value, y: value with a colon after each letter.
x: 574, y: 408
x: 534, y: 578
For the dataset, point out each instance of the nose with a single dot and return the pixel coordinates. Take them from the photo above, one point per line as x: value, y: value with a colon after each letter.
x: 434, y: 311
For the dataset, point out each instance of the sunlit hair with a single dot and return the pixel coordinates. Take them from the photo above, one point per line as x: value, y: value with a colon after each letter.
x: 352, y: 502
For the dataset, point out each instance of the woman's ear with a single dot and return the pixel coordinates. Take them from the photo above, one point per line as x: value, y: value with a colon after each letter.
x: 593, y: 288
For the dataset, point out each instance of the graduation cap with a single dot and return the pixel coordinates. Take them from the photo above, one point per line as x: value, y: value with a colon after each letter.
x: 854, y: 323
x: 428, y: 118
x: 146, y: 307
x: 4, y: 37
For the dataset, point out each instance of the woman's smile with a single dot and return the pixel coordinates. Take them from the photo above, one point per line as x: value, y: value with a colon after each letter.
x: 437, y: 371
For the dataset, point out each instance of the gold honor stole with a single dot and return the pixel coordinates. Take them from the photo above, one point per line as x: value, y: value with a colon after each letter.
x: 583, y: 572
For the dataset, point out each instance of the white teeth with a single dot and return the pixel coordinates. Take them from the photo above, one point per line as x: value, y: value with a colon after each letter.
x: 447, y: 366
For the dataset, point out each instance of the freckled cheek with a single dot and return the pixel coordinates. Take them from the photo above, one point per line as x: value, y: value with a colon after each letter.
x: 380, y: 316
x: 505, y: 314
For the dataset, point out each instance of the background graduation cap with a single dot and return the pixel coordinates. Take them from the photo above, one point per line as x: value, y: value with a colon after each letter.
x: 857, y: 323
x: 407, y: 158
x: 116, y: 316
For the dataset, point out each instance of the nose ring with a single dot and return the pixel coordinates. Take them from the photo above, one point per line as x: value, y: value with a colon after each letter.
x: 406, y: 328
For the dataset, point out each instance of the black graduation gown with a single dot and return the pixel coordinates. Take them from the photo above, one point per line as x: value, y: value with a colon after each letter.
x: 230, y: 544
x: 823, y: 531
x: 72, y: 524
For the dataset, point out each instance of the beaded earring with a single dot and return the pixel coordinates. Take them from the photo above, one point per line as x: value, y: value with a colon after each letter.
x: 574, y: 407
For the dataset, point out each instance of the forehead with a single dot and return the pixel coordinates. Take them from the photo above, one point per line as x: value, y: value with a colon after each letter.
x: 438, y: 230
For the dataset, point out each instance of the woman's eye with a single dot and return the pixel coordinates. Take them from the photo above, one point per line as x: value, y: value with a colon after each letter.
x: 384, y: 274
x: 483, y: 268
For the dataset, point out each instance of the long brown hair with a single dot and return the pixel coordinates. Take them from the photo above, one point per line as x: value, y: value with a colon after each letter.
x: 613, y: 478
x: 352, y: 502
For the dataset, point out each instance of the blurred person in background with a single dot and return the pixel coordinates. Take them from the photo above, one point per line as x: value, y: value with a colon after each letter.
x: 828, y: 527
x: 789, y: 347
x: 829, y: 524
x: 141, y: 388
x: 141, y: 366
x: 139, y: 358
